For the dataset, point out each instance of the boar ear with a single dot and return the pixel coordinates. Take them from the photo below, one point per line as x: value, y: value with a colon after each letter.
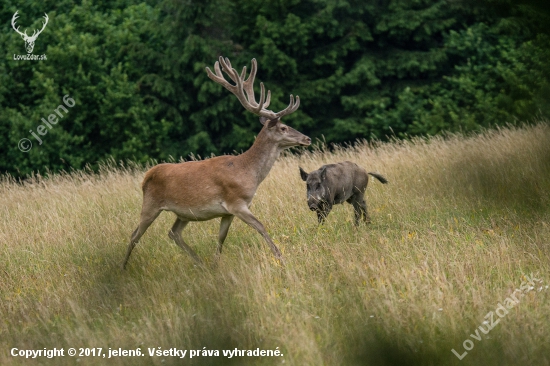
x: 323, y: 173
x: 303, y: 174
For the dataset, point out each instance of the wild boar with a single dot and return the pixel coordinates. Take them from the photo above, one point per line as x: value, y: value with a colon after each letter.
x: 335, y: 183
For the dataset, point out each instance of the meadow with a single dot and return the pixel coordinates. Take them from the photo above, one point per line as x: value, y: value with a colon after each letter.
x: 462, y: 222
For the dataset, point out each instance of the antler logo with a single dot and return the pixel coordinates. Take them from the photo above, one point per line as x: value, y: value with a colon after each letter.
x: 29, y: 41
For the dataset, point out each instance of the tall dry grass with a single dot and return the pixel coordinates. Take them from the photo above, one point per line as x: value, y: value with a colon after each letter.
x: 461, y: 222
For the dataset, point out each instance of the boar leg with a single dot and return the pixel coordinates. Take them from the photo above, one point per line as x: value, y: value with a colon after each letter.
x: 360, y: 209
x: 321, y: 217
x: 322, y: 212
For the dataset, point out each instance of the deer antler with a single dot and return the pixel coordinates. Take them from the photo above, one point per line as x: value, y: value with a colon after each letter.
x: 13, y: 19
x: 247, y: 86
x: 43, y: 26
x: 25, y: 35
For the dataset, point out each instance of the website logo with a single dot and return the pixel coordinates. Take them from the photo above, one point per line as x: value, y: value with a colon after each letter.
x: 29, y: 40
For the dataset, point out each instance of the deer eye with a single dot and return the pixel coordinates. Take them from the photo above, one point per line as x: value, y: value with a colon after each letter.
x: 284, y: 128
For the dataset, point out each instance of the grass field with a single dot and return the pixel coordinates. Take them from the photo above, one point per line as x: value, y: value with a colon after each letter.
x: 461, y: 223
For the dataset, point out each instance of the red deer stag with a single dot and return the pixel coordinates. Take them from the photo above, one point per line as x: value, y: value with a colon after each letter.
x: 225, y: 185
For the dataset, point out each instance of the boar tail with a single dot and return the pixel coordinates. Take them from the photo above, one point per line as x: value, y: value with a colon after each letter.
x: 379, y: 177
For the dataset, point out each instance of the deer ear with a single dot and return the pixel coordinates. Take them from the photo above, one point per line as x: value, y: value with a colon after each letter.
x: 272, y: 123
x: 263, y: 120
x: 323, y: 173
x: 303, y: 174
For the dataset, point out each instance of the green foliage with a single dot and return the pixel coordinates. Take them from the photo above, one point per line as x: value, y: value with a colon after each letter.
x: 88, y: 59
x: 362, y: 70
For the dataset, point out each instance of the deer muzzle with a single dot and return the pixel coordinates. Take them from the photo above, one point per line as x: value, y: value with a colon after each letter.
x: 306, y: 141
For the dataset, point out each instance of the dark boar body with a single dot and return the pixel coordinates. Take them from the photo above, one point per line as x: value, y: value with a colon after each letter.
x: 333, y: 184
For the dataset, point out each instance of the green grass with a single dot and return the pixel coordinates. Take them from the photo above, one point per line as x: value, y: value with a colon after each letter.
x: 461, y: 222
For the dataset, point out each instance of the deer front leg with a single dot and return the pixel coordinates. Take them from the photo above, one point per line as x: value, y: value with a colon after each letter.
x: 243, y: 213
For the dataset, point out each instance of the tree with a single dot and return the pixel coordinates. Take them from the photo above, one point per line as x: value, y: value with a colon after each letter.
x: 363, y: 69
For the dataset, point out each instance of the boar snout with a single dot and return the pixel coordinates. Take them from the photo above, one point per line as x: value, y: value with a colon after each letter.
x: 314, y: 203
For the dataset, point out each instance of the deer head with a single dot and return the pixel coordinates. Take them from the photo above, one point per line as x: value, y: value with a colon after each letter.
x: 29, y: 41
x: 282, y: 135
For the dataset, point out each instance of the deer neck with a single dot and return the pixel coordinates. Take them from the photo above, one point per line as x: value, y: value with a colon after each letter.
x: 261, y: 156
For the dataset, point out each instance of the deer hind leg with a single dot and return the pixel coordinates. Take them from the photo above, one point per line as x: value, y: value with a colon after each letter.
x: 146, y: 220
x: 175, y: 234
x: 243, y: 213
x: 224, y: 228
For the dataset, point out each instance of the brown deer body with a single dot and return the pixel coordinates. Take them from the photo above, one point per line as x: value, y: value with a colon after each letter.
x: 222, y: 186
